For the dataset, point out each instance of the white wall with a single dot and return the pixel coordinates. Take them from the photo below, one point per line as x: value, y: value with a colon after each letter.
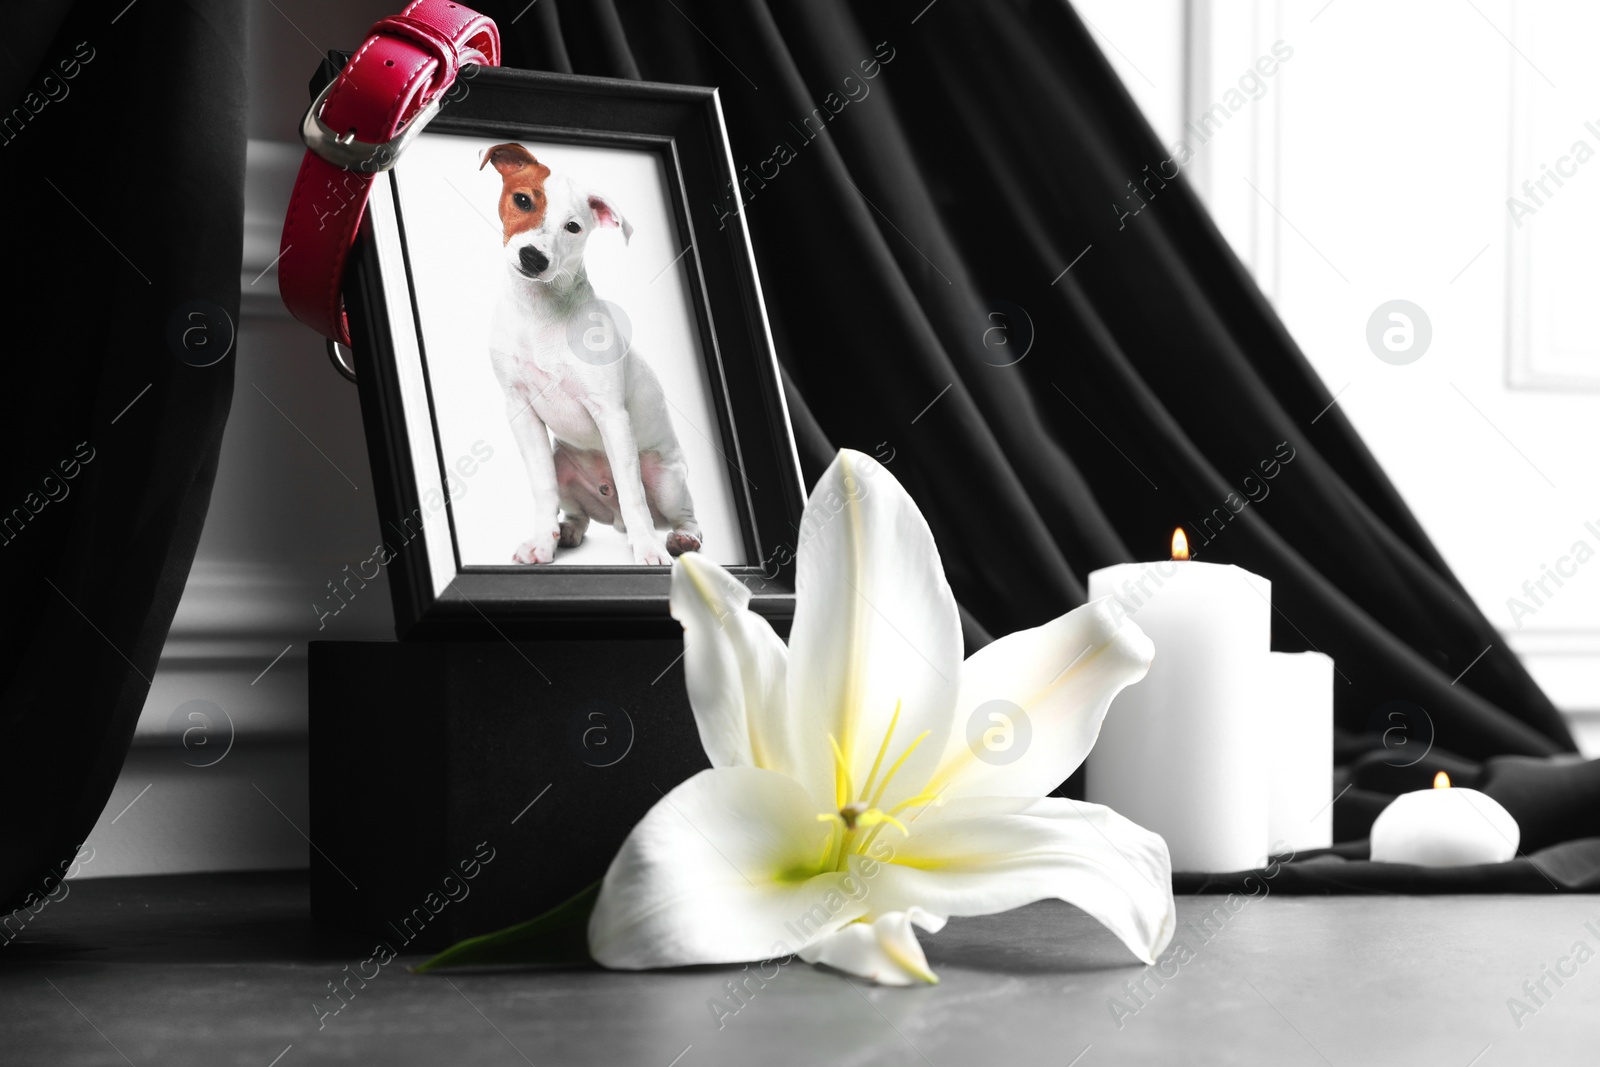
x: 1375, y: 166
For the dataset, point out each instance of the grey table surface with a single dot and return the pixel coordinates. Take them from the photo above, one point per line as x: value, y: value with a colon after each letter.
x: 228, y: 969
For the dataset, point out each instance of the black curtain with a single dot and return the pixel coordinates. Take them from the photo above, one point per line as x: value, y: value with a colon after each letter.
x: 894, y: 216
x: 122, y: 168
x: 992, y: 149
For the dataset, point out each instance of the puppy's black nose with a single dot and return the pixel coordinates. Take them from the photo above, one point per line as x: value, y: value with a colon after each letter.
x: 533, y: 260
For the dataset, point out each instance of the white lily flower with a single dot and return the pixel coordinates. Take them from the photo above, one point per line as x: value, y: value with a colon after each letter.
x: 884, y: 950
x: 857, y: 784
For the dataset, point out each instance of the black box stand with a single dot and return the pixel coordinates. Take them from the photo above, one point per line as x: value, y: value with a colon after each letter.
x: 458, y: 787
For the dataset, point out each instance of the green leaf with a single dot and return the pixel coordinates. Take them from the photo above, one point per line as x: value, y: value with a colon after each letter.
x: 560, y: 935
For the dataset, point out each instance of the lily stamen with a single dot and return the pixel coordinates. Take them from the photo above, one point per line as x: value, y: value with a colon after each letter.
x: 843, y: 788
x: 895, y: 769
x: 882, y: 749
x: 851, y: 814
x: 876, y: 819
x: 914, y: 802
x: 827, y: 846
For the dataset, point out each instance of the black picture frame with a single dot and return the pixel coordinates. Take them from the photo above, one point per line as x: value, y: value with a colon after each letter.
x: 684, y: 124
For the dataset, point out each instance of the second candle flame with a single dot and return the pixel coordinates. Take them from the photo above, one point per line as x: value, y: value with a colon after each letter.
x: 1180, y: 544
x: 1441, y: 781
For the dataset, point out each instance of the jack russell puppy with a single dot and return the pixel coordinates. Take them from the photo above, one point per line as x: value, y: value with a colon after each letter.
x: 614, y: 458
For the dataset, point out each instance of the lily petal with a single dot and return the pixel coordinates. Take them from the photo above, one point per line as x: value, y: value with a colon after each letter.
x: 884, y: 950
x: 721, y: 870
x: 735, y: 667
x: 875, y: 629
x: 981, y: 855
x: 1031, y: 703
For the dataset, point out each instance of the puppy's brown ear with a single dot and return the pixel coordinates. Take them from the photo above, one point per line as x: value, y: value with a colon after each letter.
x: 508, y: 158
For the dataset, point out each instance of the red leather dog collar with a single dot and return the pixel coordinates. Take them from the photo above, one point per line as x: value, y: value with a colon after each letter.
x: 392, y: 86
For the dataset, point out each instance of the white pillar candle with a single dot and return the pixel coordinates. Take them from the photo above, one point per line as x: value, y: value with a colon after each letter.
x: 1299, y: 737
x: 1181, y: 752
x: 1444, y: 827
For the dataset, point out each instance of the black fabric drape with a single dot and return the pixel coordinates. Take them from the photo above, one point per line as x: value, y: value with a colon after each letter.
x: 992, y: 149
x: 124, y: 184
x: 1555, y: 802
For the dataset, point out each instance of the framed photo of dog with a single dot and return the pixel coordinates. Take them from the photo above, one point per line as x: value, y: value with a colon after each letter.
x: 565, y: 369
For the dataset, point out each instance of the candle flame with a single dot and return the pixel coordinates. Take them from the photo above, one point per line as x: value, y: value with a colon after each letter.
x: 1441, y: 781
x: 1180, y: 544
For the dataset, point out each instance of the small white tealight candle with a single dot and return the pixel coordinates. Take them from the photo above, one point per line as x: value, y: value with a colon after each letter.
x: 1444, y: 827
